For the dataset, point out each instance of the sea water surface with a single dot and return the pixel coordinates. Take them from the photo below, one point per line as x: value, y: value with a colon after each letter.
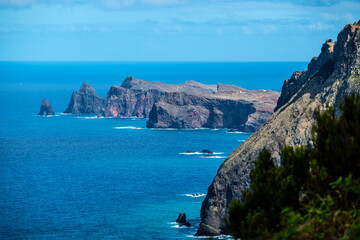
x: 80, y: 177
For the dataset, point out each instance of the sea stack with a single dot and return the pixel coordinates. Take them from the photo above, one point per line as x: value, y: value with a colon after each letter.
x: 85, y: 101
x: 329, y: 77
x: 46, y: 108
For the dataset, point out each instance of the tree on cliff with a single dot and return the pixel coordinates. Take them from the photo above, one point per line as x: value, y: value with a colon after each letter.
x: 315, y: 193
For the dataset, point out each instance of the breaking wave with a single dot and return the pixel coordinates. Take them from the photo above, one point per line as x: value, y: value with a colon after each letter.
x: 128, y: 127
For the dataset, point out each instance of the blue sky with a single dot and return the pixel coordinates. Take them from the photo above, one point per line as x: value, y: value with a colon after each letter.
x: 169, y: 30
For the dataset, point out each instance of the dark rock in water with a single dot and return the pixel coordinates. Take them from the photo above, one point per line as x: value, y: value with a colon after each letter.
x: 331, y: 76
x: 46, y: 108
x: 187, y: 224
x: 206, y: 151
x: 85, y: 101
x: 181, y: 218
x: 189, y: 151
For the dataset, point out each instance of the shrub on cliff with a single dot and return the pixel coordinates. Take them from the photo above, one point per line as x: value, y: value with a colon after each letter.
x: 315, y: 193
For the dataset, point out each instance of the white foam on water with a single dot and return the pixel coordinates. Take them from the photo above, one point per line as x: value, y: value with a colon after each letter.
x: 217, y: 153
x: 194, y: 195
x: 191, y: 153
x: 172, y: 223
x: 94, y: 117
x: 128, y: 127
x: 164, y: 129
x: 241, y: 140
x: 48, y: 115
x: 212, y: 157
x: 200, y: 153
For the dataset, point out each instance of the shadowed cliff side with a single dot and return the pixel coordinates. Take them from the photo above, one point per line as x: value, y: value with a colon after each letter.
x: 85, y: 101
x: 331, y: 76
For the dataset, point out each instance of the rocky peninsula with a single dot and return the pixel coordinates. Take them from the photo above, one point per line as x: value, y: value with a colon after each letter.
x: 329, y: 77
x: 188, y: 105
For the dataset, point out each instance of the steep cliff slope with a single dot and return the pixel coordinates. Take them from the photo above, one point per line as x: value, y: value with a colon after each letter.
x: 335, y: 73
x: 183, y: 110
x: 85, y: 101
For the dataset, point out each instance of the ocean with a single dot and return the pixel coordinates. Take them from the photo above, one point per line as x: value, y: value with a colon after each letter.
x: 80, y: 177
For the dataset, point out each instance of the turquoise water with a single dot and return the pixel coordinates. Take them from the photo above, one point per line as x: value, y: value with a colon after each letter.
x: 79, y: 177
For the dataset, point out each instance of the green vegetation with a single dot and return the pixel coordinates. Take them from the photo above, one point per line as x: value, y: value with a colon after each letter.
x: 315, y: 193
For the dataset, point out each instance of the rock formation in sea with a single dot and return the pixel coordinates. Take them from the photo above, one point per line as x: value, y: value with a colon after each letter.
x: 331, y: 76
x: 85, y: 101
x: 46, y: 108
x: 188, y: 105
x: 182, y: 220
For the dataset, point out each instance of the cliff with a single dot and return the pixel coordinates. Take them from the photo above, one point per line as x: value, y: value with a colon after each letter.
x: 183, y: 110
x: 228, y: 106
x: 331, y: 76
x: 85, y: 101
x: 46, y: 108
x: 187, y: 105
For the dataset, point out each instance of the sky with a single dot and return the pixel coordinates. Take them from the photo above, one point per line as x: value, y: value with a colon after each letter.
x: 170, y: 30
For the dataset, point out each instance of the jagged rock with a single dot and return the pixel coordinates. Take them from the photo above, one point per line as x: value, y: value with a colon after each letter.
x: 331, y: 76
x: 187, y: 224
x: 181, y: 218
x: 85, y: 101
x: 46, y: 108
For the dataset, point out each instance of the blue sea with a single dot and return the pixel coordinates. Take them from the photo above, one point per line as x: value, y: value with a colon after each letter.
x: 80, y: 177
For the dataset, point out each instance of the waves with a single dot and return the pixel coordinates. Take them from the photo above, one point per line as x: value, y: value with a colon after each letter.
x: 129, y: 127
x: 200, y: 153
x: 209, y: 156
x: 93, y: 117
x: 194, y: 195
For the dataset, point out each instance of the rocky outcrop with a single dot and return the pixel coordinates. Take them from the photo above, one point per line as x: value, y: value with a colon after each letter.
x: 187, y: 105
x: 331, y: 76
x: 294, y: 84
x: 182, y: 220
x: 46, y: 108
x: 85, y: 101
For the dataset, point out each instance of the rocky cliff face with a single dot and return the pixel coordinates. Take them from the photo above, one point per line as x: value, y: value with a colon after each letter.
x: 46, y: 108
x: 188, y: 105
x: 183, y: 110
x: 85, y: 101
x: 228, y: 106
x: 335, y: 73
